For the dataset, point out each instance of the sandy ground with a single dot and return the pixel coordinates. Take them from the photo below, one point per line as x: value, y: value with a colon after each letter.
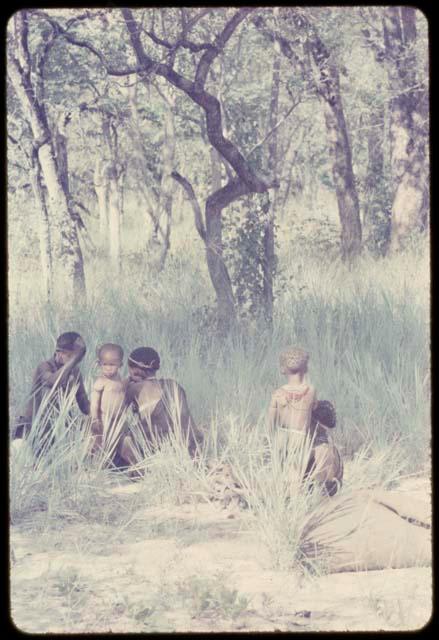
x: 194, y: 568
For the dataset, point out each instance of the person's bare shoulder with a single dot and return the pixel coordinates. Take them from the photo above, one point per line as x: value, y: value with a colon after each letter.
x: 132, y: 389
x: 277, y: 397
x: 312, y: 391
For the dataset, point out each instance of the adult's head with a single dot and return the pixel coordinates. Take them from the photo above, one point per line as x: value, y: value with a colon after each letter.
x: 294, y: 360
x: 110, y: 358
x: 68, y: 345
x: 143, y: 363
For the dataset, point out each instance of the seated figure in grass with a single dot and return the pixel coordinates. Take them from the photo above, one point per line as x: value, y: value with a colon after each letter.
x: 325, y: 466
x: 161, y: 407
x: 295, y: 412
x: 107, y: 402
x: 53, y: 378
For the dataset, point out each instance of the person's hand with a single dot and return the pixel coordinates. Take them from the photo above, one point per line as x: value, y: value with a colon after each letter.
x: 97, y: 428
x: 79, y: 345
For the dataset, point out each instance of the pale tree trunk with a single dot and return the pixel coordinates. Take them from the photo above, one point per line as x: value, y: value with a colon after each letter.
x: 100, y: 184
x: 44, y: 231
x: 167, y: 183
x: 69, y: 279
x: 110, y: 197
x: 408, y: 138
x: 269, y: 252
x: 114, y: 220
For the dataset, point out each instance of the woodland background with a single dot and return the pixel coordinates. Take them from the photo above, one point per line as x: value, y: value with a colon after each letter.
x: 219, y: 183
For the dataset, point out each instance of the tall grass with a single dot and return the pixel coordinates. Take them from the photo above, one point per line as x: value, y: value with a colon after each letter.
x: 366, y: 330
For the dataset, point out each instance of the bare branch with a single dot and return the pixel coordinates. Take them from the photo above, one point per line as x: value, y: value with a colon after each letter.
x: 184, y: 182
x: 270, y: 133
x: 220, y: 41
x: 208, y: 102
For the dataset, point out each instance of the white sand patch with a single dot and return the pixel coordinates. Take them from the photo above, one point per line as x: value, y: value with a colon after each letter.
x: 84, y: 582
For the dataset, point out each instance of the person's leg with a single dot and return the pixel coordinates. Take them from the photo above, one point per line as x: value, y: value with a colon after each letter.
x: 130, y: 454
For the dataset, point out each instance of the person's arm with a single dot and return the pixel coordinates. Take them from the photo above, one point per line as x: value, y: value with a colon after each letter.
x: 47, y: 378
x: 131, y: 395
x: 272, y: 413
x: 314, y: 396
x: 189, y: 428
x: 82, y: 398
x: 95, y: 406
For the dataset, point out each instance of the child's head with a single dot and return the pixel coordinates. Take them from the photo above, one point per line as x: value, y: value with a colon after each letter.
x: 324, y: 413
x: 294, y: 360
x: 110, y: 358
x: 142, y: 363
x: 67, y: 345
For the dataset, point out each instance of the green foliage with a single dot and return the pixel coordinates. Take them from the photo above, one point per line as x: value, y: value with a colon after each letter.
x: 245, y: 252
x: 211, y: 597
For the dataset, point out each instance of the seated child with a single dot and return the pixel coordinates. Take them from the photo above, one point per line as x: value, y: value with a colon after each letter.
x: 107, y: 401
x: 325, y: 465
x: 55, y: 376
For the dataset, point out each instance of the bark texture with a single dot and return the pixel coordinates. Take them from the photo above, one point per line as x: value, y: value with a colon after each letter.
x: 408, y: 136
x: 69, y: 279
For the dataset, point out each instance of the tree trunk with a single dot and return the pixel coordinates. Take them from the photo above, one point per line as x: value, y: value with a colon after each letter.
x: 109, y: 193
x: 215, y: 262
x: 114, y: 220
x: 268, y: 241
x: 69, y: 270
x: 328, y: 88
x: 44, y: 231
x: 340, y: 150
x: 219, y: 274
x: 408, y: 139
x: 377, y: 205
x: 101, y: 187
x: 167, y: 183
x: 69, y: 279
x: 211, y: 234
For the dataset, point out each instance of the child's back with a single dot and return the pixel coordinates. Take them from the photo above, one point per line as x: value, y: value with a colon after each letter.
x: 291, y: 405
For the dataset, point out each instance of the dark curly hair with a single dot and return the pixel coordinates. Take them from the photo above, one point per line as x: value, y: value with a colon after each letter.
x: 145, y: 358
x: 66, y: 341
x: 324, y: 412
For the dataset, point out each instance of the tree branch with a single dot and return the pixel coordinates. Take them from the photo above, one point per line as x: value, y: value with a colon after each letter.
x: 184, y: 182
x: 220, y: 41
x: 270, y: 133
x: 208, y: 102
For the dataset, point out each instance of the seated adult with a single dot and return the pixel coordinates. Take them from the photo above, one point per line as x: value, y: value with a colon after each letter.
x: 159, y: 403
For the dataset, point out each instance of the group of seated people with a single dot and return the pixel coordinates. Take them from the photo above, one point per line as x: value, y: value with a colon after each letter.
x: 160, y: 406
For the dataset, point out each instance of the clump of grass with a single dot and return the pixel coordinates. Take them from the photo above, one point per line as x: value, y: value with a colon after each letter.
x: 367, y: 332
x: 278, y: 495
x: 211, y: 597
x: 202, y: 597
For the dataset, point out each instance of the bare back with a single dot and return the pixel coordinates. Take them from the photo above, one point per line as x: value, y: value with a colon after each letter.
x: 291, y: 408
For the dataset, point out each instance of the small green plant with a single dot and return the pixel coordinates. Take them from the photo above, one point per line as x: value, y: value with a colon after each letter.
x: 69, y: 584
x: 211, y: 597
